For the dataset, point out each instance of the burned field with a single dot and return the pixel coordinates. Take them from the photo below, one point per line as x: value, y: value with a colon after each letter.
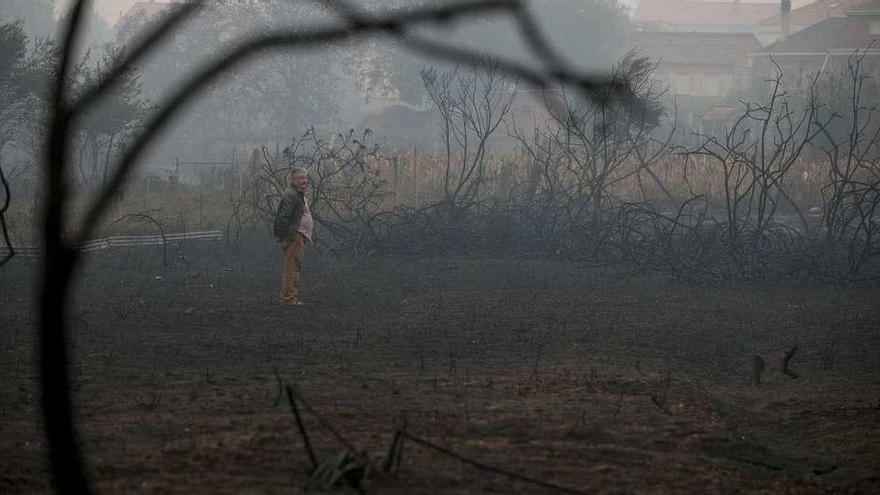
x: 586, y: 377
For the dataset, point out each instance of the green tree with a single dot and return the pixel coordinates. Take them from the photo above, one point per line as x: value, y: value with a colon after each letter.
x: 24, y: 70
x: 13, y: 46
x: 12, y: 50
x: 269, y: 100
x: 23, y: 73
x: 105, y: 130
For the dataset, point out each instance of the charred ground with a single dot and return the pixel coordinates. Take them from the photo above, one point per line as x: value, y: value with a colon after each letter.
x: 544, y: 367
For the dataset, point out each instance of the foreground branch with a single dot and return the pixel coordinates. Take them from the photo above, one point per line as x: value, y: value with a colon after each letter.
x: 4, y: 230
x: 60, y: 259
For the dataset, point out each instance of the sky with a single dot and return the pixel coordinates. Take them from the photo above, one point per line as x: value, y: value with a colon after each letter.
x: 110, y: 10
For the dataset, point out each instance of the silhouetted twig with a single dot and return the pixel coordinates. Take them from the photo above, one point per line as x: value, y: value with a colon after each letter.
x: 291, y: 390
x: 151, y: 403
x: 487, y: 467
x: 392, y: 453
x: 758, y: 366
x: 786, y: 360
x: 7, y: 198
x: 660, y: 400
x: 280, y: 391
x: 154, y: 222
x: 302, y: 428
x: 351, y: 467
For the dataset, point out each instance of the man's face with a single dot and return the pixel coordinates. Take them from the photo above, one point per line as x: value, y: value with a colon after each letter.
x: 300, y: 182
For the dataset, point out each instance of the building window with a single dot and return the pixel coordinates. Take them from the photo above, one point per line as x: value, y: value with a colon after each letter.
x: 713, y: 84
x: 698, y: 84
x: 682, y: 84
x: 726, y: 84
x: 874, y: 27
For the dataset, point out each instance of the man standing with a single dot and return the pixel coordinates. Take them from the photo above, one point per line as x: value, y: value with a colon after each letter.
x: 293, y: 229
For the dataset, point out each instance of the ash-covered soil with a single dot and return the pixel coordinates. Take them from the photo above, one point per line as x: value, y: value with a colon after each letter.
x: 553, y: 369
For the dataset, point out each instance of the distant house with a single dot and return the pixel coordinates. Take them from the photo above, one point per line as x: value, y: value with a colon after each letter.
x: 699, y: 64
x: 133, y: 19
x: 716, y: 121
x: 824, y: 47
x: 701, y: 16
x: 699, y: 70
x: 775, y: 28
x: 144, y: 10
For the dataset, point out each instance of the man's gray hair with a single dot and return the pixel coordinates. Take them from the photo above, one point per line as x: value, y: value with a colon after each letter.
x: 297, y: 171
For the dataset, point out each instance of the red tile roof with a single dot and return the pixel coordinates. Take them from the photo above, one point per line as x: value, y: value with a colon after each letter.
x: 146, y: 9
x: 872, y: 6
x: 719, y: 113
x: 690, y: 12
x: 689, y: 48
x: 838, y: 33
x: 815, y: 12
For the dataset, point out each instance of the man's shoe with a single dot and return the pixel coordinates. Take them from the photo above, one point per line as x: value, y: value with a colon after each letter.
x: 292, y: 301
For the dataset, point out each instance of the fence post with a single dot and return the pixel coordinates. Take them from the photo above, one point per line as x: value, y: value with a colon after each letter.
x: 146, y: 190
x: 415, y: 160
x: 396, y: 179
